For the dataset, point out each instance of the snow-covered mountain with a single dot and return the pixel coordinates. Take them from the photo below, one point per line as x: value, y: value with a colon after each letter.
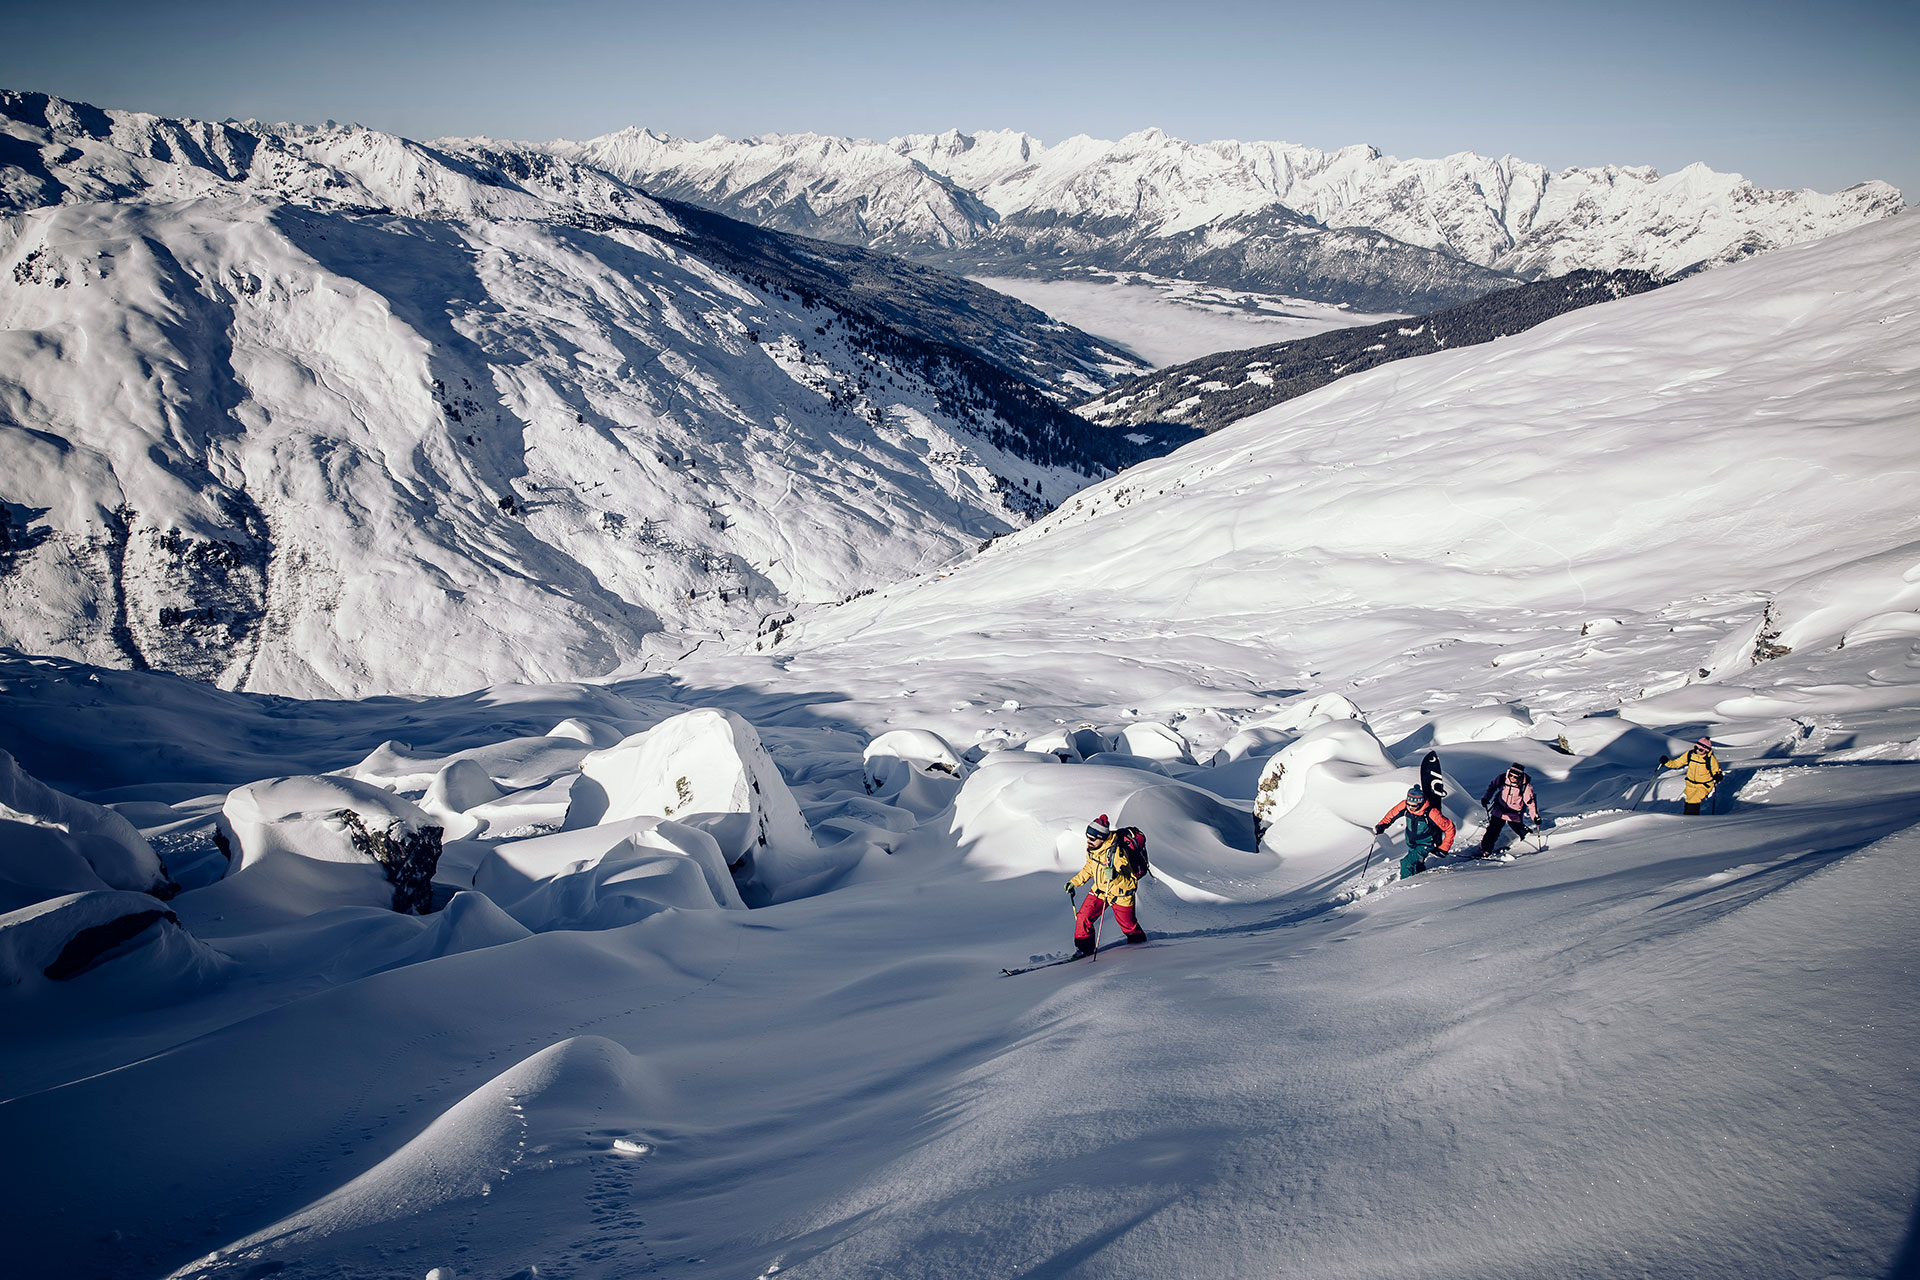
x: 311, y: 410
x: 1350, y: 225
x: 712, y: 983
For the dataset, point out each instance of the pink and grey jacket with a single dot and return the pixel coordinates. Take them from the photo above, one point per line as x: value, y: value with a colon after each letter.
x: 1506, y: 798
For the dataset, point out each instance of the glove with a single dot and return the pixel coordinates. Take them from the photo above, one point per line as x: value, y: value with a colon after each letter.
x: 1378, y: 829
x: 1663, y: 762
x: 1069, y: 891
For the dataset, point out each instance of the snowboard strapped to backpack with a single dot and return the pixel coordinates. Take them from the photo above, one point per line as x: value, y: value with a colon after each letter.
x: 1132, y: 857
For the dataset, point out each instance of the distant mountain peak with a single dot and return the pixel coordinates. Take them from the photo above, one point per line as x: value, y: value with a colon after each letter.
x: 1352, y: 225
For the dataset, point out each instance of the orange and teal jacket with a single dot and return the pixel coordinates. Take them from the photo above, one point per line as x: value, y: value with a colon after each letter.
x: 1427, y: 827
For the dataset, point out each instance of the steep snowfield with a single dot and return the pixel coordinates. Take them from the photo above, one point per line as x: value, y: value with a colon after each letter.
x: 1609, y: 503
x: 327, y: 411
x: 1661, y: 1045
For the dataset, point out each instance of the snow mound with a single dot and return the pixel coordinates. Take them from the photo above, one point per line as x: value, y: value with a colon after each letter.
x: 62, y: 938
x: 560, y: 1109
x: 51, y: 844
x: 515, y: 763
x: 1026, y: 816
x: 705, y: 769
x: 595, y: 733
x: 1153, y: 741
x: 1288, y: 776
x: 914, y: 770
x: 307, y: 843
x: 1822, y: 608
x: 1320, y: 796
x: 462, y: 786
x: 606, y: 876
x: 305, y: 817
x: 1475, y: 724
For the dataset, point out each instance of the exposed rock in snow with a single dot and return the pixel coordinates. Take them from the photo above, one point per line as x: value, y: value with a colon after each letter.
x: 370, y: 834
x: 51, y: 843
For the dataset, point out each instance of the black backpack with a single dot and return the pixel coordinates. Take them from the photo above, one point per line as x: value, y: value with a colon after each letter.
x: 1131, y: 860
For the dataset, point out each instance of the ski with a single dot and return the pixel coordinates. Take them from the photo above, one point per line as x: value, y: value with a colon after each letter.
x: 1045, y: 964
x: 1431, y: 780
x: 1069, y: 959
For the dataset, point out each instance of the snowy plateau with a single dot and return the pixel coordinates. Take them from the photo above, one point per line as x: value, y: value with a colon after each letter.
x: 412, y: 953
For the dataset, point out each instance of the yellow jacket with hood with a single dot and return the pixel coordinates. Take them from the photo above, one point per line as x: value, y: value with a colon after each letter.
x: 1703, y: 773
x: 1107, y: 880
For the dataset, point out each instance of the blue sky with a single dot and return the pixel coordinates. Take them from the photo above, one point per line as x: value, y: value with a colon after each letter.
x: 1787, y: 94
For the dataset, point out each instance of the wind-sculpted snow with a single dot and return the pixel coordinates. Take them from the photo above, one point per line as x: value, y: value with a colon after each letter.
x: 708, y: 770
x: 563, y: 1106
x: 52, y: 843
x: 328, y: 410
x: 1350, y: 225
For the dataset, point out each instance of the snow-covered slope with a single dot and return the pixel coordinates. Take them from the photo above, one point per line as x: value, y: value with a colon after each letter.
x: 326, y: 410
x: 1351, y: 225
x: 1637, y: 491
x: 1649, y: 1044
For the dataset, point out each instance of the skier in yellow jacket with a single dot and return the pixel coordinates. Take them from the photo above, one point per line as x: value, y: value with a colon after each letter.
x: 1111, y: 862
x: 1703, y: 773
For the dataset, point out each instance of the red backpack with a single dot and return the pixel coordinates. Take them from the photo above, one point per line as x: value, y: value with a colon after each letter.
x: 1132, y: 857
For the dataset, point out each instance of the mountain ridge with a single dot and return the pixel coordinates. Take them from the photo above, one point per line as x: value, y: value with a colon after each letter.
x: 1241, y: 214
x: 325, y: 410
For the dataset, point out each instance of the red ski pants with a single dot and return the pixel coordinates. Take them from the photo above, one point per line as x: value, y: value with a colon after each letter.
x: 1089, y: 915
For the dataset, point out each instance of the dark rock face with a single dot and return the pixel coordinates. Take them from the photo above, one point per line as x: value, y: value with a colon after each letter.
x: 92, y: 945
x: 1275, y: 251
x: 997, y: 364
x: 408, y: 857
x: 1219, y: 389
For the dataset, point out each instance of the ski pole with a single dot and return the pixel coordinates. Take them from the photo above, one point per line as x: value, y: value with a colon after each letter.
x: 1374, y: 844
x: 1097, y: 922
x: 1653, y: 784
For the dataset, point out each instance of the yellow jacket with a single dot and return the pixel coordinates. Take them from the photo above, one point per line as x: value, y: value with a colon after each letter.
x: 1703, y: 773
x: 1115, y: 886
